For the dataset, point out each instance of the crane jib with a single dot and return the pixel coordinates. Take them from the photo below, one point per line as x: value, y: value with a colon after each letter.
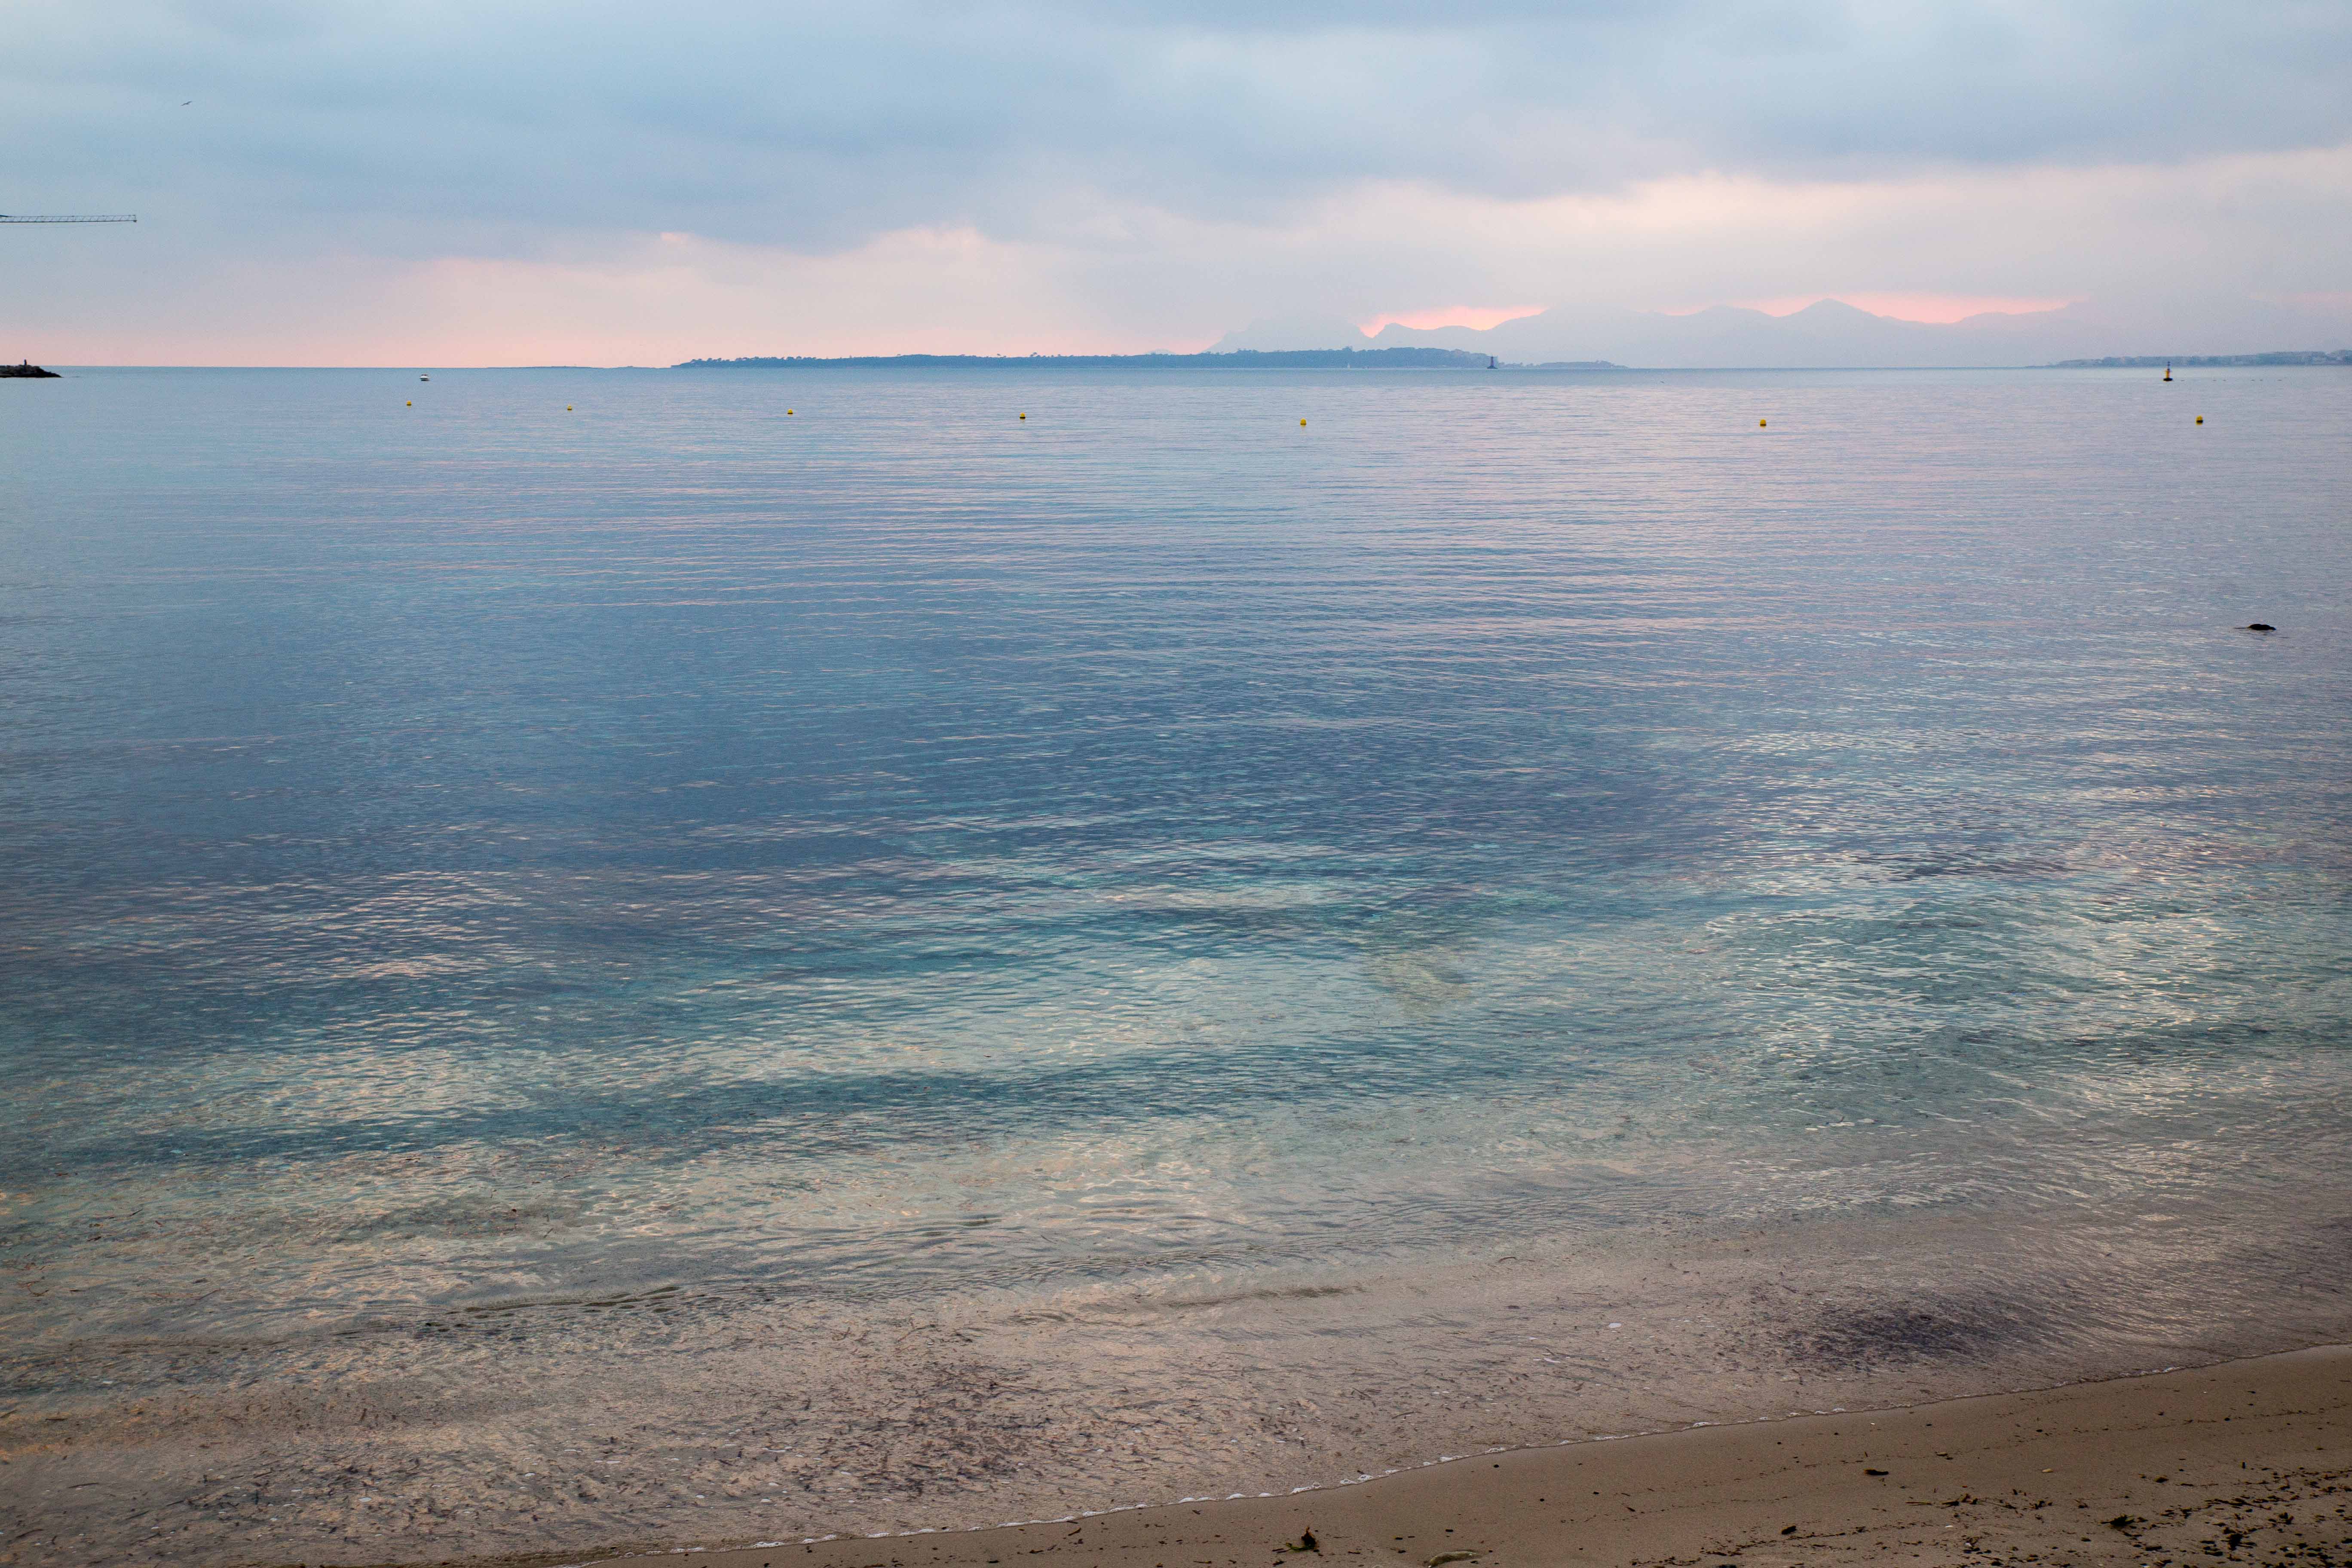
x: 81, y: 217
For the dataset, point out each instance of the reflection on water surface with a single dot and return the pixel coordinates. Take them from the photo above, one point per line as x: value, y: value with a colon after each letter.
x: 900, y: 968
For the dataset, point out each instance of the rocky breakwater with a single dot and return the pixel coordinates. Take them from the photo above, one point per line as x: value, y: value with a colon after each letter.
x: 27, y: 370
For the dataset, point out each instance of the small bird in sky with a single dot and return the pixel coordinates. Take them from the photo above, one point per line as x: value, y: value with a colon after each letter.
x: 185, y: 101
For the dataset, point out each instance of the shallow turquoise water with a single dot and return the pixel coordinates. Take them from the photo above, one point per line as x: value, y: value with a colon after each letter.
x: 482, y: 855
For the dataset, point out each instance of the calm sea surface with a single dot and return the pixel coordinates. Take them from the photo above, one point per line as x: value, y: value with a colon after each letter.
x: 592, y: 959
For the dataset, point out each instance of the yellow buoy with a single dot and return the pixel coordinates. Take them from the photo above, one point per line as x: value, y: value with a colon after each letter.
x: 1760, y: 424
x: 788, y: 411
x: 567, y: 408
x: 2200, y: 419
x: 410, y: 404
x: 1024, y: 417
x: 1302, y: 424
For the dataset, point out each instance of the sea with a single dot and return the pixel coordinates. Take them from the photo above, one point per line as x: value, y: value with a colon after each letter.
x: 661, y: 958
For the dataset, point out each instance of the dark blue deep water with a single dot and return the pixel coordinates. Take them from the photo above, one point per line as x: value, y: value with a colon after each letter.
x: 524, y: 838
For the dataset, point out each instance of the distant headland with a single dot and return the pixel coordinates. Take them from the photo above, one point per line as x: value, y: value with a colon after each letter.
x: 1242, y: 359
x: 2191, y: 361
x: 27, y: 370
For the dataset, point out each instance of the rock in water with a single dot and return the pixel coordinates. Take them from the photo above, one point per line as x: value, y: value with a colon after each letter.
x: 2258, y: 626
x: 27, y: 370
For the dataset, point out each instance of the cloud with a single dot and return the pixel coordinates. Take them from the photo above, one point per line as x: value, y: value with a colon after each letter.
x: 2170, y: 250
x: 805, y: 124
x: 564, y: 135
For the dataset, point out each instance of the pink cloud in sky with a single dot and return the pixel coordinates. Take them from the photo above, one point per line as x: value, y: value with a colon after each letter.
x: 1478, y: 316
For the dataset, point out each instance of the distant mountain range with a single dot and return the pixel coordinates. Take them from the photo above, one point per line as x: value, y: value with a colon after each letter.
x: 1243, y: 359
x: 1829, y: 334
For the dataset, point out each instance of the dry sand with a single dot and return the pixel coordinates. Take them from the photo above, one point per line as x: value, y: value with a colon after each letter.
x: 2247, y: 1462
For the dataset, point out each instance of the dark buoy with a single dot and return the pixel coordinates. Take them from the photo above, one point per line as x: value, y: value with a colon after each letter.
x: 2258, y: 626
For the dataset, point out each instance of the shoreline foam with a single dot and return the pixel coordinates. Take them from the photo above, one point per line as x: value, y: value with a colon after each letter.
x: 733, y: 1421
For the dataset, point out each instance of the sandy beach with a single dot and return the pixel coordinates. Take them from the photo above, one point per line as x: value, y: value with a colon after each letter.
x: 2246, y: 1462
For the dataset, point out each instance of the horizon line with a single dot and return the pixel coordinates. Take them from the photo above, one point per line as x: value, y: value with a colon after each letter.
x: 1455, y: 358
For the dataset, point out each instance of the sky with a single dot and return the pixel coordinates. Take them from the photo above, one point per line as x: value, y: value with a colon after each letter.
x: 428, y: 181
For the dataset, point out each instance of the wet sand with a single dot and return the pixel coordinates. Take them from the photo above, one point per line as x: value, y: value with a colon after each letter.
x: 2246, y: 1462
